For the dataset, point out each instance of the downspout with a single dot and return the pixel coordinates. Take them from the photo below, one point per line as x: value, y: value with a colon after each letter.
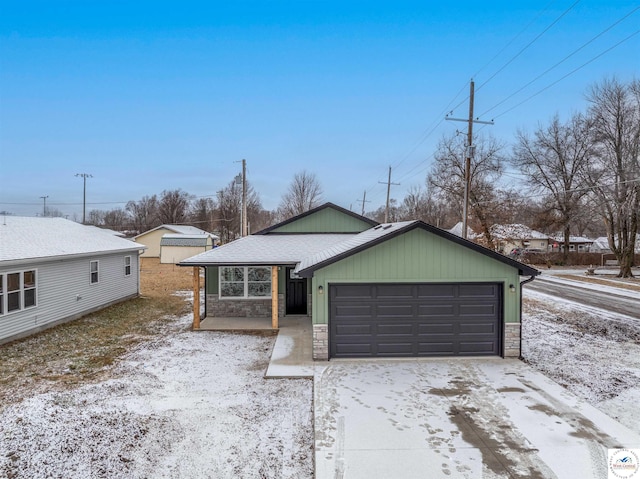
x: 522, y: 283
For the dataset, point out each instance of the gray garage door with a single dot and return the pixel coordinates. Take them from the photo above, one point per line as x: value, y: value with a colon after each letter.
x: 396, y: 320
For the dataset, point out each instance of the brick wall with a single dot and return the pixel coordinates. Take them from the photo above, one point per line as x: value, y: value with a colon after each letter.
x: 512, y: 340
x: 238, y: 308
x: 320, y: 342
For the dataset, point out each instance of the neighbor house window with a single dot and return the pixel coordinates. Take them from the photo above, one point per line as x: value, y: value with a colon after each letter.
x: 94, y: 271
x: 127, y: 265
x: 17, y: 291
x: 245, y: 281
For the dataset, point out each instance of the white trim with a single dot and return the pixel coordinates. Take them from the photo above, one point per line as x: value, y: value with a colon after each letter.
x: 245, y: 283
x: 4, y: 294
x: 97, y: 271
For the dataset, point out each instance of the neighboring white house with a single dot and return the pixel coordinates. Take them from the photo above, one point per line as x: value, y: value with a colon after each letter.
x: 152, y: 238
x: 176, y: 247
x: 516, y: 236
x: 53, y: 270
x: 576, y: 243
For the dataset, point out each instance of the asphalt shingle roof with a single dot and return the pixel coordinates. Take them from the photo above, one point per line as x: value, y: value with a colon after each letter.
x: 266, y: 249
x: 24, y: 238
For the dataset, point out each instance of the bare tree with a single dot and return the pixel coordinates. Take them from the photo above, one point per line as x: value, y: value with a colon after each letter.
x: 304, y: 193
x: 614, y: 172
x: 553, y: 162
x: 144, y: 213
x: 230, y: 211
x: 116, y: 219
x: 173, y: 207
x: 96, y: 217
x: 201, y: 214
x: 448, y: 172
x: 419, y: 204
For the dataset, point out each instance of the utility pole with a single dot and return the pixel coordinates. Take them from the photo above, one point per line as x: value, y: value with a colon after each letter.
x: 468, y: 155
x: 388, y: 183
x: 363, y: 201
x: 84, y: 176
x: 243, y: 213
x: 244, y: 198
x: 44, y: 205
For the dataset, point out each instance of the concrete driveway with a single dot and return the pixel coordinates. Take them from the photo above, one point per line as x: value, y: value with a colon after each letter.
x: 456, y: 418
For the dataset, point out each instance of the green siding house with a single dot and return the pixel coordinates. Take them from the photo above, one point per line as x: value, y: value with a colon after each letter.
x: 404, y: 289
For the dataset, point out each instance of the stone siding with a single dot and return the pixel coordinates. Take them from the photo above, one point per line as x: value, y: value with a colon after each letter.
x: 242, y: 308
x: 320, y: 342
x: 512, y: 340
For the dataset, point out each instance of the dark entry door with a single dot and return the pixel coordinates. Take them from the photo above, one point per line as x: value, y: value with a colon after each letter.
x: 374, y: 320
x: 296, y: 293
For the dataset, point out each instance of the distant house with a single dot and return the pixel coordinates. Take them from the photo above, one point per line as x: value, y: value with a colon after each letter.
x: 152, y: 239
x: 53, y: 270
x: 576, y: 243
x: 519, y: 237
x: 176, y: 247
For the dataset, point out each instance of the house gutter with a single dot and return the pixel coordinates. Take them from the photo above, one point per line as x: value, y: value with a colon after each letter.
x: 523, y: 283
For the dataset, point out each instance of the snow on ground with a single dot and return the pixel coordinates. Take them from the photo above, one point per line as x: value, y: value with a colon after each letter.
x: 594, y: 353
x: 187, y: 405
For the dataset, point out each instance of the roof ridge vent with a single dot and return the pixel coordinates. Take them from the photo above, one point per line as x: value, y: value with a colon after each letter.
x: 386, y: 227
x: 377, y: 227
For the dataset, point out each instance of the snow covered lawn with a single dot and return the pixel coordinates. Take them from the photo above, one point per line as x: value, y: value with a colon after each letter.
x: 593, y: 353
x: 187, y: 404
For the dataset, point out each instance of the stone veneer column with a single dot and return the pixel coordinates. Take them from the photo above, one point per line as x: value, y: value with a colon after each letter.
x: 320, y: 342
x: 512, y: 340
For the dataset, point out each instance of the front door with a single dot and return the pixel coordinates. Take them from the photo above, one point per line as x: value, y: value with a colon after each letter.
x: 296, y: 293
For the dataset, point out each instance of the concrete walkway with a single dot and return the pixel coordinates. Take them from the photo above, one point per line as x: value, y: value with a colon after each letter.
x: 446, y: 418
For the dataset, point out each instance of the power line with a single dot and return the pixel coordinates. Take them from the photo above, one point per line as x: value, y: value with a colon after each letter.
x: 568, y: 74
x: 563, y: 60
x: 529, y: 44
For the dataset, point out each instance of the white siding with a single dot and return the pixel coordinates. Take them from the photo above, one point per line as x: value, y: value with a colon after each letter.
x: 64, y: 290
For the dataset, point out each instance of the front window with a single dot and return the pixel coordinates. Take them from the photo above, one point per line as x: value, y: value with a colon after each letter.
x: 17, y: 291
x: 245, y: 281
x: 94, y: 272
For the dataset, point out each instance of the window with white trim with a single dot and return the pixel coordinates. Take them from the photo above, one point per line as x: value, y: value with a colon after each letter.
x: 93, y: 270
x: 245, y: 282
x: 17, y: 291
x: 127, y: 265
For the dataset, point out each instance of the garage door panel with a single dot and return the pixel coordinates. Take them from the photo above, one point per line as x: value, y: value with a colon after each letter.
x: 396, y: 349
x: 477, y: 327
x: 394, y: 291
x: 353, y: 311
x: 435, y: 349
x: 477, y: 310
x: 437, y: 320
x: 435, y: 310
x: 394, y: 311
x: 477, y: 290
x: 347, y: 291
x: 354, y: 329
x: 354, y: 350
x: 435, y: 328
x: 436, y: 290
x: 394, y: 329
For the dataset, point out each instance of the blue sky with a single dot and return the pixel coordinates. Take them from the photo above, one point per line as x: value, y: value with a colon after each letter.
x: 147, y: 96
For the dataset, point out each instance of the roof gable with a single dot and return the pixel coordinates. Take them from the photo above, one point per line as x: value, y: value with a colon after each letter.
x: 327, y: 218
x: 385, y: 232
